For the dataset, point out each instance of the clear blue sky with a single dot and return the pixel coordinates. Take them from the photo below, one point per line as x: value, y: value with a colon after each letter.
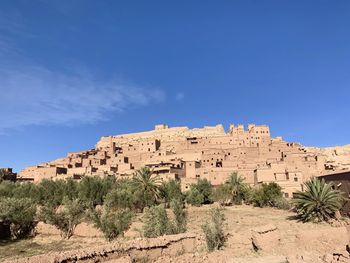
x: 73, y: 71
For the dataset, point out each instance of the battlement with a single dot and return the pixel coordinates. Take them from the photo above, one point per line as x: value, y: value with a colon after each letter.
x: 166, y: 133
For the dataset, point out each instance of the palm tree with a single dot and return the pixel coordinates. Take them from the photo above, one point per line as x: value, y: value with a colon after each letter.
x: 147, y: 185
x: 319, y: 202
x: 237, y: 186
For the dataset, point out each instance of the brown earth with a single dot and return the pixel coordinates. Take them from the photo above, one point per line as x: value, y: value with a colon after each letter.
x: 253, y: 235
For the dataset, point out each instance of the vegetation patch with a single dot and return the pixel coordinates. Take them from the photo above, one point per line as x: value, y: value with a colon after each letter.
x: 214, y: 229
x: 320, y: 202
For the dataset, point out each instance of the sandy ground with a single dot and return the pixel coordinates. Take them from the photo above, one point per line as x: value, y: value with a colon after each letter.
x: 240, y: 221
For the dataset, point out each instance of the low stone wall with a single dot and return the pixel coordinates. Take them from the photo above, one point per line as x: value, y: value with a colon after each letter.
x: 139, y: 250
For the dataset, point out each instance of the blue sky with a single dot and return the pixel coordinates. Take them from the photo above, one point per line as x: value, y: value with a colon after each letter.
x: 73, y: 71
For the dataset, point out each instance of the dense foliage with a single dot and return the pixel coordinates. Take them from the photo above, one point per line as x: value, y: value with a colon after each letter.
x: 170, y: 191
x: 156, y: 221
x: 19, y: 215
x: 267, y: 195
x: 146, y: 188
x: 234, y: 190
x: 63, y: 203
x: 200, y: 193
x: 112, y: 223
x: 319, y: 202
x: 66, y: 217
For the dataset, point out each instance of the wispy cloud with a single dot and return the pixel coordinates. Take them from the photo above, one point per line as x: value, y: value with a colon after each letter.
x: 180, y: 96
x: 38, y: 96
x: 33, y: 94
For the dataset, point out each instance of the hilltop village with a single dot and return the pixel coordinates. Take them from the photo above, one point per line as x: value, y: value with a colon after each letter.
x: 187, y: 154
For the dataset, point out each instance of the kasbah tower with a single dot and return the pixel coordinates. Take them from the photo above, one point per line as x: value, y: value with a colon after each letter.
x: 210, y: 152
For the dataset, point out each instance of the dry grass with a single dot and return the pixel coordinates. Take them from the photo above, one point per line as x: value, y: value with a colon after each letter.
x: 43, y: 244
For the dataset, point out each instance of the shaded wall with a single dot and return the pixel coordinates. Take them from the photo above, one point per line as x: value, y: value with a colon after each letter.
x: 5, y: 232
x: 341, y: 182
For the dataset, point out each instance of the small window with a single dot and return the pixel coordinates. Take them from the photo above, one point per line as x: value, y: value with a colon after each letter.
x: 286, y: 195
x: 295, y: 179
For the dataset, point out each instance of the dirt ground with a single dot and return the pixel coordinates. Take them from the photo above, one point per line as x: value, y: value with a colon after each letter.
x: 278, y: 238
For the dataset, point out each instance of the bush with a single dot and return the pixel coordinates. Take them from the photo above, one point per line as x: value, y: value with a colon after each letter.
x: 214, y: 230
x: 267, y: 195
x: 19, y: 214
x: 119, y: 199
x: 319, y: 202
x: 200, y: 193
x: 51, y: 192
x: 26, y: 190
x: 93, y: 190
x: 65, y: 218
x: 223, y: 195
x: 6, y: 188
x: 194, y: 197
x: 157, y: 223
x: 180, y: 217
x: 205, y: 188
x: 282, y: 203
x: 71, y: 189
x: 170, y: 191
x: 112, y: 223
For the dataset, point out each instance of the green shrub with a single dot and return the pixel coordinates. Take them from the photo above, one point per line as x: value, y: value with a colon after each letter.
x: 156, y: 222
x: 194, y: 197
x: 19, y: 214
x: 6, y: 188
x: 222, y: 194
x: 112, y: 223
x: 93, y: 190
x: 51, y: 192
x: 65, y: 218
x: 282, y: 203
x: 120, y: 198
x: 319, y: 202
x: 180, y: 217
x: 26, y: 190
x: 266, y: 195
x: 71, y: 189
x: 171, y: 190
x: 214, y: 229
x: 200, y: 193
x: 206, y: 189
